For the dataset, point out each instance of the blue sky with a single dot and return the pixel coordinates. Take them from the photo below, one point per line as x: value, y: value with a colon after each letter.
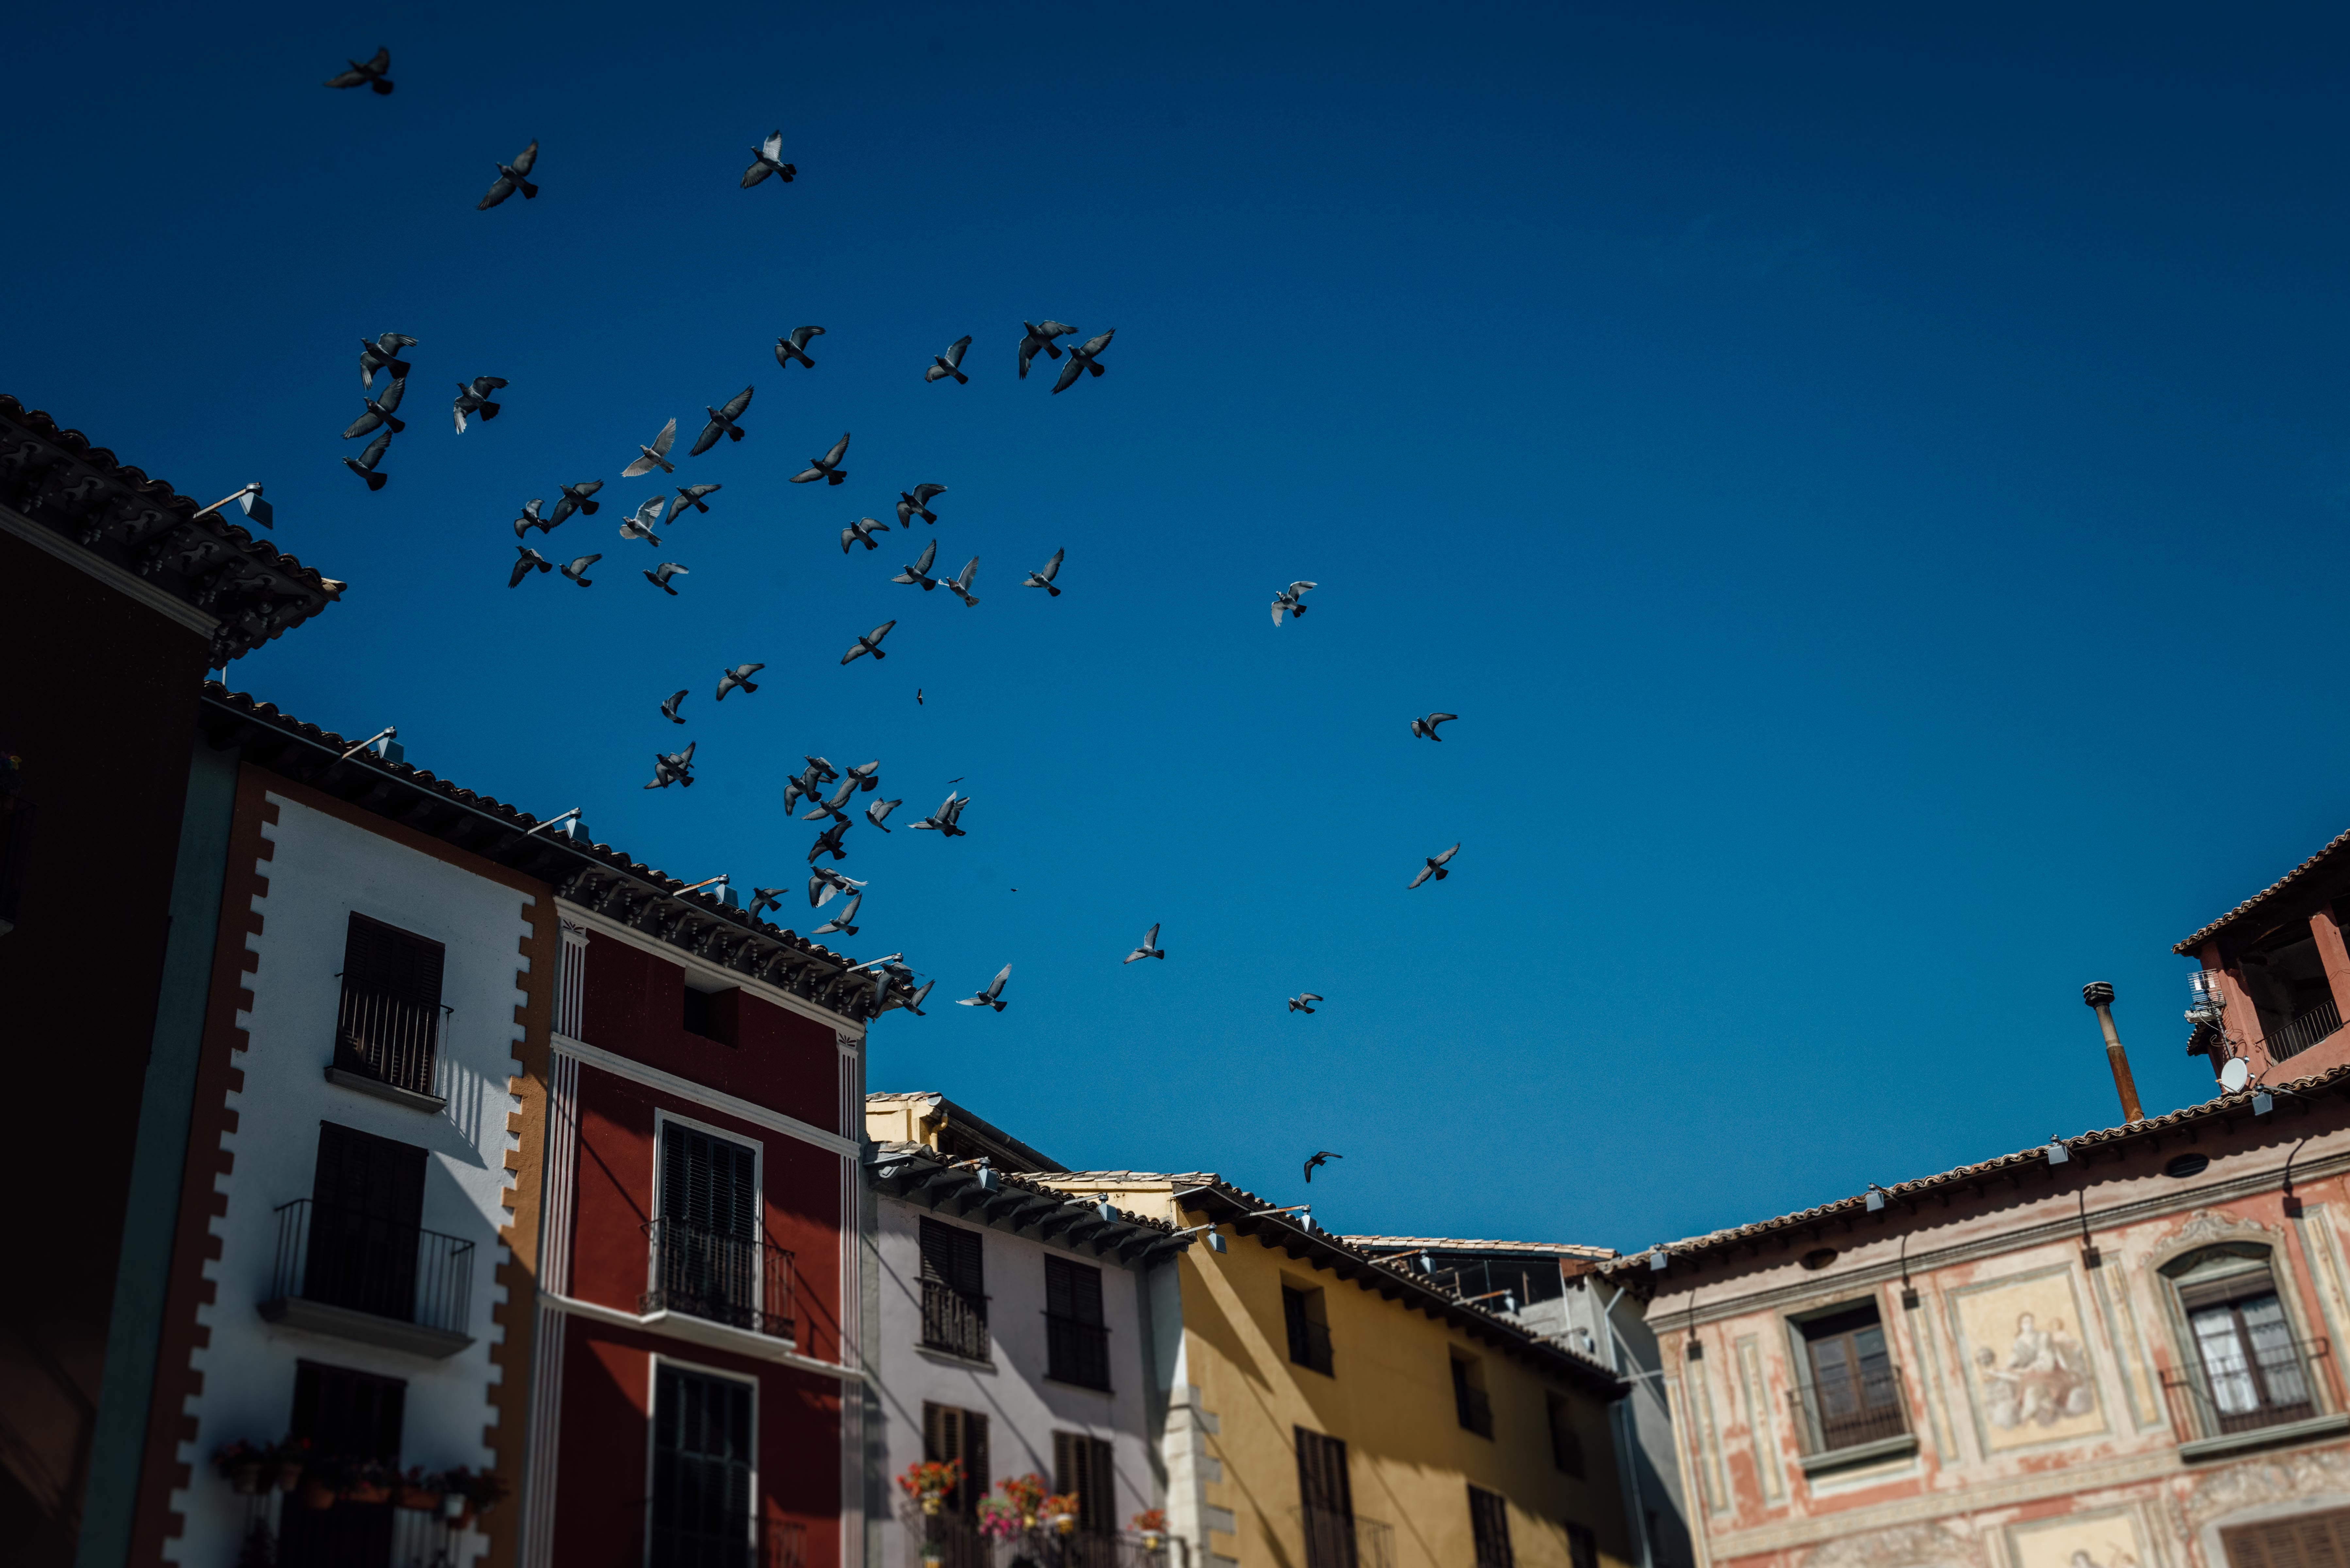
x: 1868, y: 485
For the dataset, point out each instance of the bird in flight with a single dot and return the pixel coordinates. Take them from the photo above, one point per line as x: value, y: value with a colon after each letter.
x: 766, y: 899
x: 870, y: 643
x: 862, y: 532
x: 639, y: 523
x: 877, y: 812
x: 1427, y: 726
x: 825, y: 885
x: 673, y: 767
x: 364, y: 464
x: 949, y: 363
x: 959, y: 584
x: 1042, y: 577
x: 668, y: 709
x: 916, y: 502
x: 918, y: 698
x: 378, y: 412
x: 1291, y: 600
x: 575, y: 499
x: 690, y: 495
x: 947, y: 819
x: 577, y: 566
x: 826, y: 467
x: 1041, y: 335
x: 366, y: 74
x: 793, y: 346
x: 1304, y: 1000
x: 845, y: 921
x: 1149, y: 948
x: 510, y: 180
x: 527, y: 561
x: 1082, y: 358
x: 920, y: 572
x: 473, y: 397
x: 1435, y: 867
x: 767, y: 158
x: 993, y: 996
x: 831, y: 808
x: 913, y: 1003
x: 660, y: 575
x: 867, y: 775
x: 532, y: 518
x: 383, y: 354
x: 829, y: 840
x: 738, y: 676
x: 1321, y: 1157
x: 722, y: 422
x: 654, y: 456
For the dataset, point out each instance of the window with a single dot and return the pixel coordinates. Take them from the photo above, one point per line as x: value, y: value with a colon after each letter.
x: 2248, y: 1371
x: 1325, y: 1501
x: 950, y: 1436
x: 1077, y: 1343
x: 1307, y: 1319
x: 1469, y: 1401
x: 955, y: 1291
x: 1582, y: 1547
x: 1566, y: 1442
x: 1087, y: 1467
x: 2303, y: 1540
x: 367, y: 1202
x: 344, y: 1415
x: 1489, y: 1522
x: 389, y: 1028
x: 702, y: 1514
x: 708, y: 1260
x: 1853, y: 1395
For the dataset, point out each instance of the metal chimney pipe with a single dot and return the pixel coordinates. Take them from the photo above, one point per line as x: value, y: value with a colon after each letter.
x: 2100, y: 996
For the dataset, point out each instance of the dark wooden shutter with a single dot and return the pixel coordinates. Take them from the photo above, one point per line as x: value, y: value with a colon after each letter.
x: 950, y: 1436
x: 344, y: 1414
x: 2305, y: 1541
x: 1489, y: 1522
x: 385, y: 961
x: 950, y: 1255
x: 703, y: 1459
x: 976, y: 1476
x: 1327, y: 1499
x: 1072, y: 1291
x: 1088, y: 1466
x: 709, y: 1183
x: 367, y: 1202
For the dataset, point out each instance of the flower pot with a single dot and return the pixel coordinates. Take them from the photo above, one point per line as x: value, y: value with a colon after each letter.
x: 246, y: 1477
x: 318, y: 1494
x: 930, y: 1501
x: 290, y: 1474
x: 1150, y: 1542
x: 453, y: 1505
x: 419, y: 1500
x: 368, y: 1492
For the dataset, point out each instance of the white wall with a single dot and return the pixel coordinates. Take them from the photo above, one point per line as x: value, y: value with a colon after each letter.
x: 1024, y: 1409
x: 323, y: 869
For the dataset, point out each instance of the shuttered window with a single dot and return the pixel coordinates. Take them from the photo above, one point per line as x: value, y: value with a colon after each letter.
x: 955, y: 1291
x: 702, y: 1472
x: 2305, y: 1541
x: 1566, y: 1443
x: 389, y: 1026
x: 1077, y: 1343
x: 1489, y: 1522
x: 952, y: 1435
x: 1087, y: 1467
x: 1327, y: 1500
x: 344, y: 1414
x: 367, y: 1204
x: 709, y: 1183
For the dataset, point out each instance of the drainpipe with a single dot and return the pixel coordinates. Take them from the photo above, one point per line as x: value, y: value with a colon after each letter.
x: 2100, y: 996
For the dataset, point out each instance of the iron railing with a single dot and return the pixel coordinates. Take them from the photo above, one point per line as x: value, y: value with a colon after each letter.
x: 1475, y: 1408
x: 2305, y: 1031
x: 959, y: 1543
x: 396, y: 1042
x: 743, y: 1280
x: 1309, y: 1346
x: 2277, y: 1382
x: 1830, y: 1416
x: 677, y: 1546
x: 1076, y: 1352
x: 348, y: 1258
x: 1335, y: 1540
x: 953, y: 1321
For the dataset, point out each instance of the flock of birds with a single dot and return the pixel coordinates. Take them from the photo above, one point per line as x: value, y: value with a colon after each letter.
x: 477, y: 400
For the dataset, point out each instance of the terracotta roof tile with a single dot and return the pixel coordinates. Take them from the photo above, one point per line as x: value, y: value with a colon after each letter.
x: 2324, y: 856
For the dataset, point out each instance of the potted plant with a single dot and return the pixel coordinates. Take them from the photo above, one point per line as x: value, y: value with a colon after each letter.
x: 240, y: 1464
x: 1027, y: 1494
x: 929, y: 1483
x: 419, y: 1492
x: 1061, y: 1511
x: 290, y: 1457
x: 486, y: 1490
x: 1151, y: 1525
x: 367, y: 1482
x: 323, y: 1480
x: 999, y: 1518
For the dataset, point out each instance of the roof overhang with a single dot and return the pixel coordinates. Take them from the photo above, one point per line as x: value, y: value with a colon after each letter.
x: 959, y: 1190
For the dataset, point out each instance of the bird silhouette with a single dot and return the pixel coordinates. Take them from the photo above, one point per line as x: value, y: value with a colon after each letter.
x: 1302, y: 1001
x: 1149, y: 948
x: 1425, y: 726
x: 510, y: 180
x: 366, y: 74
x: 1320, y: 1158
x: 1435, y: 867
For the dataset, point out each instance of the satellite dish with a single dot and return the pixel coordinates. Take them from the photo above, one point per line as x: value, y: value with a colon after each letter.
x: 2235, y: 1074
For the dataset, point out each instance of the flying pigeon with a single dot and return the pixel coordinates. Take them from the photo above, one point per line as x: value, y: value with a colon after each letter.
x: 829, y: 840
x: 1322, y: 1158
x: 878, y: 812
x: 793, y: 346
x: 913, y: 1003
x: 1435, y: 867
x: 526, y: 561
x: 575, y: 499
x: 844, y: 921
x: 378, y: 412
x: 668, y: 709
x: 959, y: 584
x: 766, y: 899
x: 1081, y: 359
x: 654, y: 456
x: 916, y: 502
x: 364, y: 464
x: 577, y: 566
x: 817, y: 773
x: 949, y: 363
x: 660, y: 575
x: 825, y: 885
x: 867, y: 775
x: 639, y: 524
x: 675, y: 767
x: 871, y: 643
x: 1302, y: 1002
x: 1291, y: 600
x: 366, y: 73
x: 1041, y: 335
x: 920, y: 572
x: 991, y: 997
x: 1427, y: 726
x: 383, y: 354
x: 831, y: 808
x: 768, y: 158
x: 822, y: 771
x: 510, y: 180
x: 1149, y: 948
x: 826, y: 467
x: 722, y: 422
x: 948, y: 818
x: 918, y: 697
x: 690, y: 495
x: 531, y: 518
x: 473, y: 397
x: 738, y: 676
x: 1042, y: 577
x: 862, y: 530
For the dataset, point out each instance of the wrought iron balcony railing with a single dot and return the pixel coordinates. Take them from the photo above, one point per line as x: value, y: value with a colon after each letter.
x: 395, y: 1043
x: 959, y: 1543
x: 1335, y: 1540
x: 953, y: 1321
x: 742, y: 1280
x: 1076, y: 1352
x: 1832, y: 1417
x: 2304, y: 1031
x: 346, y: 1258
x: 2277, y: 1382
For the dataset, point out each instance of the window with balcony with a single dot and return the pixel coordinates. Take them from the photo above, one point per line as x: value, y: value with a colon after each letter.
x: 958, y: 1437
x: 353, y: 1416
x: 711, y: 1258
x: 2285, y: 979
x: 387, y: 1028
x: 955, y: 1291
x: 353, y: 1260
x: 1306, y: 1315
x: 1489, y: 1528
x: 1470, y: 1403
x: 1849, y: 1393
x: 2247, y: 1370
x: 703, y: 1469
x: 1077, y: 1339
x: 1087, y: 1466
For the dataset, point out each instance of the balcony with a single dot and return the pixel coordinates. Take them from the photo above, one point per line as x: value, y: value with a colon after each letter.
x: 781, y: 1544
x: 359, y: 1276
x: 742, y: 1281
x: 1852, y: 1422
x: 960, y: 1544
x: 954, y: 1322
x: 2320, y: 1021
x: 389, y: 1049
x: 1335, y: 1540
x: 2261, y: 1400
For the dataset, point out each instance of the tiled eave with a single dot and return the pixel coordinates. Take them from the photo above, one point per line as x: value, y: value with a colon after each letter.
x: 74, y: 499
x: 955, y: 1190
x: 2273, y: 895
x: 592, y: 876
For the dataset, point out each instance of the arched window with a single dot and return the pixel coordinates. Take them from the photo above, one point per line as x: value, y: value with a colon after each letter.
x: 2246, y: 1369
